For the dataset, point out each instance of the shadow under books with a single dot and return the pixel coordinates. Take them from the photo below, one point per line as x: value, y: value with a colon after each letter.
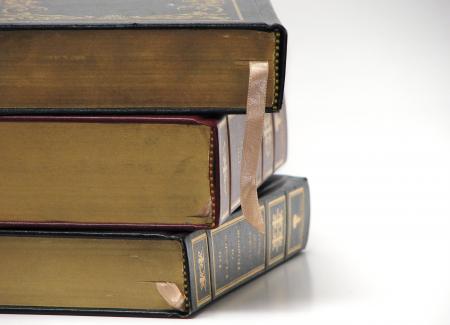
x: 285, y: 287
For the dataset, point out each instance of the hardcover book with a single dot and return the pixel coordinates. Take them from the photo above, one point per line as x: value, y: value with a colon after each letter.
x: 150, y: 273
x: 173, y: 172
x: 136, y: 56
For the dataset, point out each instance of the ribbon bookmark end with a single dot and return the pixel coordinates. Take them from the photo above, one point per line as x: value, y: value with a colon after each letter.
x: 172, y: 295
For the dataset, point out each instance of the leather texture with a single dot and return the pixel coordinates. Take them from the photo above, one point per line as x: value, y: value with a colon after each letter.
x: 225, y: 258
x: 211, y: 122
x: 227, y: 135
x: 202, y: 249
x: 251, y: 15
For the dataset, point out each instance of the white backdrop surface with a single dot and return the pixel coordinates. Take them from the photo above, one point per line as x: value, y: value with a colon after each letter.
x: 368, y: 89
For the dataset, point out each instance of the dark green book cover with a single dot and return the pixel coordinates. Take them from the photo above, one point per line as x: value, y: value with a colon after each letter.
x: 147, y: 56
x: 164, y: 274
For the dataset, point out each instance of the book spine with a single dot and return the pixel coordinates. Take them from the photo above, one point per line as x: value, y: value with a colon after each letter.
x: 280, y: 129
x: 236, y: 125
x: 267, y: 14
x: 222, y: 259
x: 268, y: 147
x: 273, y: 153
x: 224, y: 168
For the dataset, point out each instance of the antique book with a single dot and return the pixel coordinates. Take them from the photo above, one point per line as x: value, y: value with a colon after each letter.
x: 174, y: 172
x: 150, y: 273
x: 184, y: 56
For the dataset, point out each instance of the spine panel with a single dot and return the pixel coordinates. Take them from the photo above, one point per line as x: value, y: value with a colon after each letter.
x: 280, y: 138
x: 273, y: 153
x: 224, y: 168
x: 239, y: 253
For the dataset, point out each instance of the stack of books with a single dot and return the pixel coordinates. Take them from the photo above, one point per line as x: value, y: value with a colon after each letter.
x: 129, y: 132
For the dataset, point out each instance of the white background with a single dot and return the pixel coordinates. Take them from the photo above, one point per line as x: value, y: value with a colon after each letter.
x: 368, y: 90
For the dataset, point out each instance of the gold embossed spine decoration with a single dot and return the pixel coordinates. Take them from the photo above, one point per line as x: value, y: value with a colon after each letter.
x: 276, y: 229
x: 200, y: 10
x: 201, y: 270
x: 296, y: 236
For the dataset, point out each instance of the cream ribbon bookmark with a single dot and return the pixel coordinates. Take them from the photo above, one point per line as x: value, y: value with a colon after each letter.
x: 172, y: 295
x: 256, y: 106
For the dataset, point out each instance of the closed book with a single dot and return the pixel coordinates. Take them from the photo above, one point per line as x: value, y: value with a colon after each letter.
x: 137, y: 56
x: 150, y: 273
x: 173, y: 172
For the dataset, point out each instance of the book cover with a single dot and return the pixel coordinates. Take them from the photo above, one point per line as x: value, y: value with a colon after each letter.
x: 170, y: 172
x: 137, y: 56
x: 150, y: 273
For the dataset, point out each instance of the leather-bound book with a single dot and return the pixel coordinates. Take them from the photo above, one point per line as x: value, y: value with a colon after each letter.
x: 150, y: 273
x: 135, y: 56
x: 172, y: 172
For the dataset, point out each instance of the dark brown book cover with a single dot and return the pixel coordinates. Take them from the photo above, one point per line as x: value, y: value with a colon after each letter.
x: 53, y: 189
x: 137, y: 56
